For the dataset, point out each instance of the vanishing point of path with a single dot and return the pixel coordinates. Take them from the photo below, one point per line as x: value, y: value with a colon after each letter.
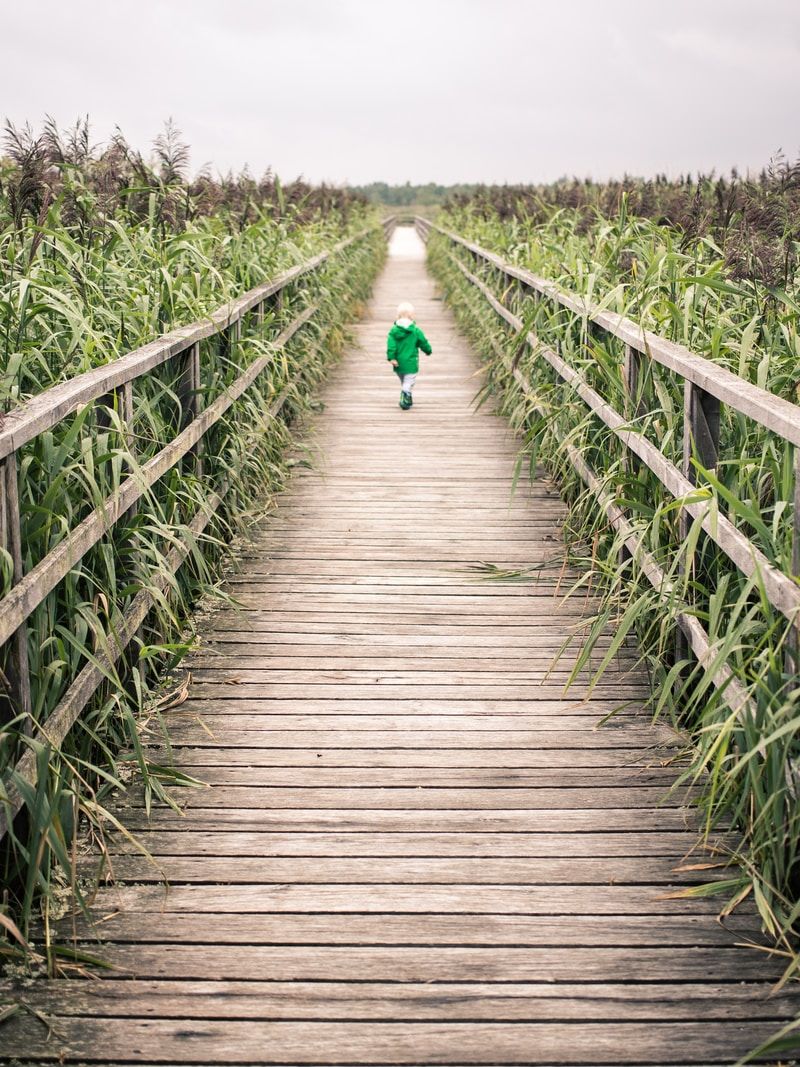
x: 414, y: 848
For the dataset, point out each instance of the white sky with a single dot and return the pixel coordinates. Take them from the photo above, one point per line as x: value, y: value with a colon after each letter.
x: 419, y: 90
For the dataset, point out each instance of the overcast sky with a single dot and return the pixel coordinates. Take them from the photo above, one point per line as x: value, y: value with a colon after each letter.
x: 419, y: 90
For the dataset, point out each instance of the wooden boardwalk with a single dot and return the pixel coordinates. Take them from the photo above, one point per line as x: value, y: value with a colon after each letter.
x: 414, y: 849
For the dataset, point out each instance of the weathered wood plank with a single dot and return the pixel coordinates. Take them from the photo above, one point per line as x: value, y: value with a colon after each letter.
x: 538, y: 675
x: 249, y: 1042
x: 413, y: 777
x: 400, y: 963
x: 469, y: 1001
x: 304, y: 870
x: 239, y: 713
x: 621, y: 691
x: 256, y: 732
x: 369, y: 820
x: 398, y: 797
x: 474, y: 845
x: 521, y: 627
x: 287, y: 928
x: 504, y: 645
x: 503, y: 758
x: 536, y: 664
x: 474, y: 900
x: 591, y: 710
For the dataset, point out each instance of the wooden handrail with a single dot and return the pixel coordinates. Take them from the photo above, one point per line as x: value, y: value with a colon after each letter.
x: 24, y: 597
x: 781, y: 589
x: 91, y: 677
x: 782, y: 592
x: 43, y: 412
x: 769, y: 410
x: 47, y: 409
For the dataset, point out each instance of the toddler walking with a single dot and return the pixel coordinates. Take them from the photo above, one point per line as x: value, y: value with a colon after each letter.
x: 402, y: 350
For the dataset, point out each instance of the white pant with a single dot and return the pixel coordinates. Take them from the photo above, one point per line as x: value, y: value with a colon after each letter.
x: 407, y: 382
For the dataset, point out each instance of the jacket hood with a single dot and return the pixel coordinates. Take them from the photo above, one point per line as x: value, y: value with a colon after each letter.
x: 404, y: 324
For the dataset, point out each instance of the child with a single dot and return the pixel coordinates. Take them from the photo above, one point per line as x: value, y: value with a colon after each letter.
x: 402, y: 350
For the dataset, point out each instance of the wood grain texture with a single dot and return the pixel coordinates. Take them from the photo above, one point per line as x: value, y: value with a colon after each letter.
x: 439, y: 963
x: 660, y: 898
x: 473, y: 845
x: 269, y: 870
x: 286, y: 928
x: 405, y: 799
x: 311, y: 1042
x: 412, y: 844
x: 454, y: 820
x: 468, y: 1001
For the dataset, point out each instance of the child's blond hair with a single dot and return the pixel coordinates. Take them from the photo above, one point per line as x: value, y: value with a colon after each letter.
x: 405, y: 310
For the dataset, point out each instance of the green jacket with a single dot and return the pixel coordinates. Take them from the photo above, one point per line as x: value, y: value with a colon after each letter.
x: 403, y: 344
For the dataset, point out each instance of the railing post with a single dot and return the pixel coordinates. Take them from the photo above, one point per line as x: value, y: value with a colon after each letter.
x: 231, y: 336
x: 126, y: 412
x: 701, y: 413
x: 632, y: 407
x: 125, y: 395
x: 17, y: 669
x: 631, y: 376
x: 516, y: 296
x: 792, y: 656
x: 633, y: 380
x: 700, y: 429
x: 120, y: 398
x: 189, y: 396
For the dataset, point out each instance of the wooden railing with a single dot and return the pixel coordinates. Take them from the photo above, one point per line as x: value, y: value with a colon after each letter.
x: 111, y: 387
x: 707, y: 385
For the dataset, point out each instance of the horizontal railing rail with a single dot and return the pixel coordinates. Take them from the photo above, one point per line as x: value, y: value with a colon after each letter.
x: 706, y: 384
x: 43, y: 412
x: 47, y: 409
x: 769, y: 410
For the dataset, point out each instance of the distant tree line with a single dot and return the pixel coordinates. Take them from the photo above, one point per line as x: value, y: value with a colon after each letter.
x: 430, y: 194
